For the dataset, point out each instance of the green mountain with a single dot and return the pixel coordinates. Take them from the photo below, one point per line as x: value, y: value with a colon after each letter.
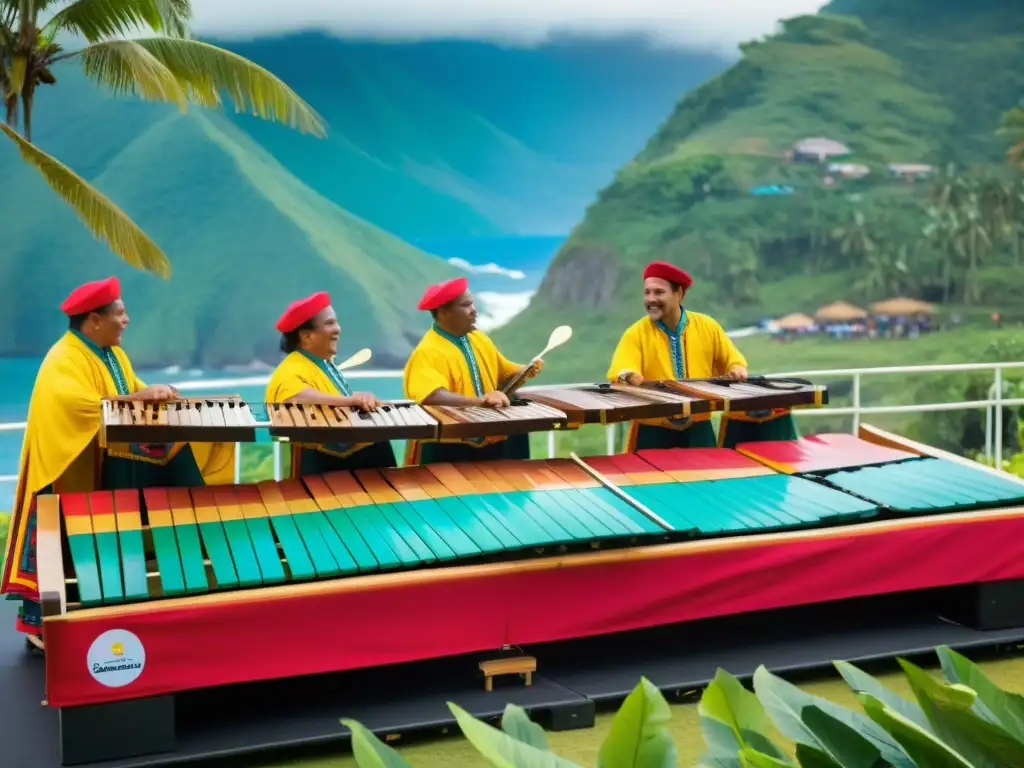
x: 243, y: 234
x: 454, y: 138
x: 722, y: 188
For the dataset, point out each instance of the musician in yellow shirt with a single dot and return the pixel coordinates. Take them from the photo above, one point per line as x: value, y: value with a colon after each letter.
x: 675, y: 343
x: 60, y: 451
x: 309, y: 338
x: 457, y: 365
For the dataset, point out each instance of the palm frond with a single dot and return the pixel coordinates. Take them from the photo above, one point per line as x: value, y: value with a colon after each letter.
x: 97, y: 20
x: 15, y: 77
x: 207, y: 72
x: 176, y: 15
x: 100, y: 215
x: 124, y: 66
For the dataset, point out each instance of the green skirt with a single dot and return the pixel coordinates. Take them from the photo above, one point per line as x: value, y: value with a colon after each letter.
x: 375, y: 456
x: 735, y: 432
x: 181, y: 471
x: 699, y: 435
x: 512, y: 447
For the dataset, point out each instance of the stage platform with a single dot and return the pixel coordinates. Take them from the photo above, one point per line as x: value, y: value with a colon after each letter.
x: 574, y: 680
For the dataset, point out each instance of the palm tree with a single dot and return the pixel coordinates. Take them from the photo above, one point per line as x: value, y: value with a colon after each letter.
x: 1012, y: 129
x: 973, y: 243
x: 1015, y: 218
x: 941, y: 230
x: 855, y: 238
x: 168, y: 67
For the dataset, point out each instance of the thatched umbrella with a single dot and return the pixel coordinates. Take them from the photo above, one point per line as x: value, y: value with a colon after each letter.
x: 839, y: 312
x: 794, y: 322
x: 902, y: 306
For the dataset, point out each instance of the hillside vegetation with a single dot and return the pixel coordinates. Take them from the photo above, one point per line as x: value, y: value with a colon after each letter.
x: 244, y: 235
x: 718, y: 189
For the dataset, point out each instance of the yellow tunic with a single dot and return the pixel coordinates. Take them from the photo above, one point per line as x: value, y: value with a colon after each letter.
x: 438, y: 362
x: 294, y: 374
x: 60, y: 445
x: 706, y: 351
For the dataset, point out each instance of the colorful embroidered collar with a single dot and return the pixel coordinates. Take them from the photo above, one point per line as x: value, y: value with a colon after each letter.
x: 109, y: 359
x: 675, y: 344
x: 328, y: 367
x: 462, y: 342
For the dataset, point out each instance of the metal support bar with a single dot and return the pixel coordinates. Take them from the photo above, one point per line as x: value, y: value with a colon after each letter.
x: 856, y: 402
x: 999, y: 419
x: 654, y: 517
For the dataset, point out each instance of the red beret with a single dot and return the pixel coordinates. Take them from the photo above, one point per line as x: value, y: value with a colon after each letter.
x: 86, y: 298
x: 439, y: 295
x: 301, y: 310
x: 667, y: 271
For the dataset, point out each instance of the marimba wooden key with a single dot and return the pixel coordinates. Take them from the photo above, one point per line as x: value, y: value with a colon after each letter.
x: 482, y: 421
x: 759, y: 394
x: 221, y: 418
x: 317, y: 423
x: 613, y: 403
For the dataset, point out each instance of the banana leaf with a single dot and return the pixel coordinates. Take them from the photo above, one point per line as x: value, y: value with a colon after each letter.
x: 785, y: 704
x: 638, y: 737
x: 751, y: 758
x: 861, y: 682
x: 809, y: 757
x: 731, y: 720
x: 924, y: 748
x: 950, y: 710
x: 371, y: 752
x: 843, y: 745
x: 500, y: 749
x: 993, y: 703
x: 517, y: 724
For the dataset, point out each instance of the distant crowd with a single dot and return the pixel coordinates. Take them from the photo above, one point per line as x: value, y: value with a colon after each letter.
x: 880, y: 327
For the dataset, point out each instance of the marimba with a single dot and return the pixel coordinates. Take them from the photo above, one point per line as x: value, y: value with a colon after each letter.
x: 165, y: 590
x: 222, y: 418
x: 342, y: 523
x: 612, y: 403
x: 756, y: 394
x: 314, y: 423
x: 519, y: 417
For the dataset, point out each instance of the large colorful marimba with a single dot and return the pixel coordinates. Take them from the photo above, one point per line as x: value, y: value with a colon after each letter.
x: 153, y: 592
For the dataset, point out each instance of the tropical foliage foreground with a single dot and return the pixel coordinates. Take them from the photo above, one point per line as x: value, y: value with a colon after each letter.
x: 962, y: 720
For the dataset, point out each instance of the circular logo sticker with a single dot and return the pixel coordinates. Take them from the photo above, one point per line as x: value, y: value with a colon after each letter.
x: 116, y: 658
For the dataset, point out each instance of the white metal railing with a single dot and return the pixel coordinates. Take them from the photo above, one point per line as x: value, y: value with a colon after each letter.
x: 993, y: 405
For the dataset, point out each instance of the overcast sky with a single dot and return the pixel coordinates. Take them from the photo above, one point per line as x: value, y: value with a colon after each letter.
x: 701, y: 24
